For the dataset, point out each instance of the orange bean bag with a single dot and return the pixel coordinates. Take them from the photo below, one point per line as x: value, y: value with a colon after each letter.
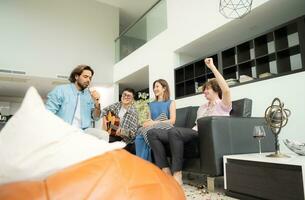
x: 113, y: 175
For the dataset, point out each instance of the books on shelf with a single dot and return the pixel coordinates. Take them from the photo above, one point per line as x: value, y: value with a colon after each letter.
x: 232, y: 81
x: 245, y: 78
x: 199, y: 89
x: 264, y: 75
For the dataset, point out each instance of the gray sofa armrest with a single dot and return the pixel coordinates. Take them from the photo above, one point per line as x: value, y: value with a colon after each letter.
x: 221, y: 135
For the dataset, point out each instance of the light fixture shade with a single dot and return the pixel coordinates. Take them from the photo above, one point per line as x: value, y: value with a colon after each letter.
x: 235, y: 9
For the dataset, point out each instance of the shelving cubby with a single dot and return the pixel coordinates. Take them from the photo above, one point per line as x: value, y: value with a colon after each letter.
x: 190, y: 87
x: 243, y: 51
x: 201, y: 80
x: 179, y: 89
x: 284, y: 59
x: 189, y: 72
x: 230, y: 72
x: 266, y: 64
x: 264, y: 45
x: 199, y: 68
x: 281, y: 41
x: 228, y: 57
x: 277, y: 52
x: 179, y: 75
x: 247, y: 68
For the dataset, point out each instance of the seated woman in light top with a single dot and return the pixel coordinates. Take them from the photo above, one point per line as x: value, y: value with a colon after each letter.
x: 217, y: 92
x: 162, y: 116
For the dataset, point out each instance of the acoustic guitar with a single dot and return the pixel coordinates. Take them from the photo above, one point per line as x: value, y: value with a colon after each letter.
x: 112, y: 123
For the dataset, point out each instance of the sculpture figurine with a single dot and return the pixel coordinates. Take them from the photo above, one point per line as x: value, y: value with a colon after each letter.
x: 276, y: 117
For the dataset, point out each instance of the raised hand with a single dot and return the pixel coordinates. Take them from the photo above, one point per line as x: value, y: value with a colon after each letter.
x: 226, y: 95
x: 209, y: 63
x: 95, y: 96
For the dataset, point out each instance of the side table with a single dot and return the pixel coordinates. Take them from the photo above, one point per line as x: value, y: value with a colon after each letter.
x: 255, y: 176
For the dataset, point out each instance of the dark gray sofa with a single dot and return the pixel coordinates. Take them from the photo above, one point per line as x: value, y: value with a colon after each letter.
x: 219, y: 136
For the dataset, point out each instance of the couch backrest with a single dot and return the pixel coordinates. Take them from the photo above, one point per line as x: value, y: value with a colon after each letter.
x: 185, y: 117
x: 241, y: 108
x: 181, y: 116
x: 190, y: 123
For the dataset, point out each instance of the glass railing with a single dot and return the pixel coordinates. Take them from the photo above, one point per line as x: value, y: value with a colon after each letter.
x: 149, y: 25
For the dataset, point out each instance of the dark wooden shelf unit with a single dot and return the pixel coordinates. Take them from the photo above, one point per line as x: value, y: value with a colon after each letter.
x: 277, y: 52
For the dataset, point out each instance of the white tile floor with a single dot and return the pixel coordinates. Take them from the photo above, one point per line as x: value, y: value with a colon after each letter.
x: 194, y: 193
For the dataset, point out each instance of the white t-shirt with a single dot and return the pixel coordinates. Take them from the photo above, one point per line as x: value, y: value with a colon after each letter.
x: 77, y: 122
x: 122, y: 113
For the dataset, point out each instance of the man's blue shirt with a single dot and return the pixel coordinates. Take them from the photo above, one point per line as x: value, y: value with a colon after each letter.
x: 62, y: 101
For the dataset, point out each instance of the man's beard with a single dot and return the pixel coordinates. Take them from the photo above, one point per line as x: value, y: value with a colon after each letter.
x: 82, y: 86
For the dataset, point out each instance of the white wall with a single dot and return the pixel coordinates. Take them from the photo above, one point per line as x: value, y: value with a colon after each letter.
x: 48, y: 38
x: 190, y: 20
x: 4, y: 108
x: 155, y: 20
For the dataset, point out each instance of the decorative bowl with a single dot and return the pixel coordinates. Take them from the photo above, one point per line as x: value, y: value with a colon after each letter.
x: 296, y: 147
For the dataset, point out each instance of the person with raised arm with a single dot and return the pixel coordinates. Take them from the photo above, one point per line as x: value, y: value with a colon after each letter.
x: 217, y: 92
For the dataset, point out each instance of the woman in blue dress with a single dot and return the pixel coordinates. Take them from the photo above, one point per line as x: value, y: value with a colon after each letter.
x: 162, y: 117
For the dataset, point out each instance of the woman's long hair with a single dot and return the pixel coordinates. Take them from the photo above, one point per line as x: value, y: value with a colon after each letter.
x: 164, y: 84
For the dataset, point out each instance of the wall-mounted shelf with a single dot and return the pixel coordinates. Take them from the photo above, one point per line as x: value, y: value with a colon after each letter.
x: 278, y: 52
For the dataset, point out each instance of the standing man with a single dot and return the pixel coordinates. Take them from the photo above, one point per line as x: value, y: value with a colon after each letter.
x: 128, y: 116
x: 73, y: 102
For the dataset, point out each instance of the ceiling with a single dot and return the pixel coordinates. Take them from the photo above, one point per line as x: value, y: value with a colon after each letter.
x: 130, y: 10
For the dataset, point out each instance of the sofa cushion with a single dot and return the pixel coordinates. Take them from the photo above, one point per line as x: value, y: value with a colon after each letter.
x: 241, y: 108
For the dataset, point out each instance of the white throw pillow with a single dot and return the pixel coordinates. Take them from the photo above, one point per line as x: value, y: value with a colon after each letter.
x: 36, y: 143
